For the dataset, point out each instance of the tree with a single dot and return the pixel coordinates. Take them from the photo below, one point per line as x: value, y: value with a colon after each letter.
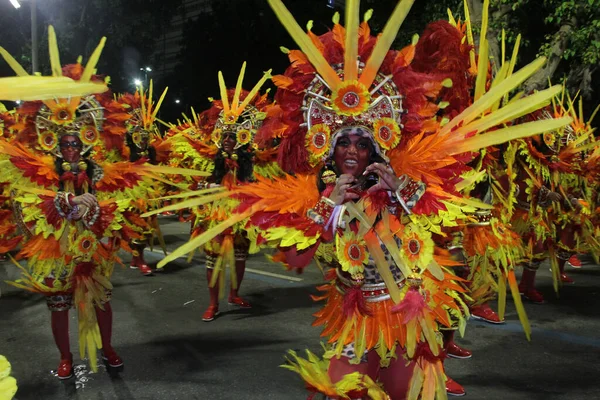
x: 567, y: 32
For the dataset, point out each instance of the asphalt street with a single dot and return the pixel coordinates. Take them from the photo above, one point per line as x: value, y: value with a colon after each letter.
x: 171, y: 354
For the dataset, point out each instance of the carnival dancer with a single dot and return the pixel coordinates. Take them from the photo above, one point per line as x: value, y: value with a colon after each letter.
x: 366, y: 202
x: 144, y: 144
x: 63, y: 200
x: 222, y: 141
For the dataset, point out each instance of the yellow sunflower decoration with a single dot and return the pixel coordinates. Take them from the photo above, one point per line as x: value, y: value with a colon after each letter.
x: 318, y: 141
x: 352, y: 254
x: 85, y: 246
x: 387, y: 133
x: 48, y: 140
x: 8, y: 384
x: 417, y: 246
x: 350, y: 98
x: 89, y: 135
x: 243, y: 137
x: 62, y: 113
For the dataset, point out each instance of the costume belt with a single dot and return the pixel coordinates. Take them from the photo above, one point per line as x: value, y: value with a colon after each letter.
x: 372, y: 293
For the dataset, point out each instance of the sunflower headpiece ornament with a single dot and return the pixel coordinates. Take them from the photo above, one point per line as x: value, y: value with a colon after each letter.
x: 351, y: 94
x: 141, y: 127
x: 69, y: 107
x: 239, y: 117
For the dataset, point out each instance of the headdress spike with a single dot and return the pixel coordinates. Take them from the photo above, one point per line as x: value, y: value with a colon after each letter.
x: 90, y: 67
x: 351, y: 43
x: 305, y: 43
x: 238, y: 89
x: 54, y: 54
x: 385, y: 42
x: 223, y: 90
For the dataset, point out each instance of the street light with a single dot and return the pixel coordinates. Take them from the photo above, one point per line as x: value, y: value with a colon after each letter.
x: 137, y: 82
x: 34, y: 35
x: 177, y: 101
x: 146, y: 70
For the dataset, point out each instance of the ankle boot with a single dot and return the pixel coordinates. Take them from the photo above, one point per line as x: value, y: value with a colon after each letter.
x: 527, y: 284
x: 104, y: 318
x: 485, y: 313
x: 213, y: 309
x: 60, y: 331
x: 234, y: 298
x: 564, y: 278
x: 452, y: 349
x: 138, y: 261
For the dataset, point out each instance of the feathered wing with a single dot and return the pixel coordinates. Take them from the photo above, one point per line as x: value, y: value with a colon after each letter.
x: 23, y: 167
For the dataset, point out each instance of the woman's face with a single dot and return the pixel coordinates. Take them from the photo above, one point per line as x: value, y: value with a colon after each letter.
x: 228, y: 143
x: 70, y: 148
x: 352, y: 154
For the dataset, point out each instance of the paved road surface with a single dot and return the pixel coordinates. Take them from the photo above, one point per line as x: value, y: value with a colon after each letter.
x: 171, y: 354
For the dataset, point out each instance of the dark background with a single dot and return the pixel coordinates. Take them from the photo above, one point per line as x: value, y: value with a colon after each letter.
x: 224, y: 35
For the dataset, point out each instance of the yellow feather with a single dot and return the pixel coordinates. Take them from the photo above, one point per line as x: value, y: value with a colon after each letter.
x: 254, y: 90
x: 238, y: 89
x: 351, y: 43
x: 306, y: 45
x: 510, y: 133
x: 54, y: 54
x: 31, y: 88
x: 223, y: 90
x: 482, y: 69
x: 486, y: 101
x: 19, y: 70
x: 187, y: 204
x: 205, y: 237
x: 384, y: 42
x: 510, y: 112
x: 90, y: 67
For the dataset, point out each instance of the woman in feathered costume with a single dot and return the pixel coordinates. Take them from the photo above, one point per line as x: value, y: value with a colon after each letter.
x: 141, y: 143
x: 367, y: 202
x: 221, y: 141
x: 63, y: 200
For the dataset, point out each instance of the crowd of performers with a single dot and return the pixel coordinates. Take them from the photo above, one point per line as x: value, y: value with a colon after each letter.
x: 418, y: 180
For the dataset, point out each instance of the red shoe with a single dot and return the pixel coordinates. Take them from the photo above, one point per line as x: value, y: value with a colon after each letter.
x: 144, y: 269
x: 455, y: 351
x: 453, y: 388
x: 112, y: 359
x: 574, y: 261
x: 238, y: 301
x: 65, y: 368
x: 210, y: 313
x: 533, y: 295
x: 564, y: 278
x: 484, y: 312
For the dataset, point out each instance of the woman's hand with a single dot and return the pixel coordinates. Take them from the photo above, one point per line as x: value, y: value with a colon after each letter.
x: 554, y: 197
x: 81, y: 211
x: 387, y: 177
x: 340, y: 193
x: 87, y: 199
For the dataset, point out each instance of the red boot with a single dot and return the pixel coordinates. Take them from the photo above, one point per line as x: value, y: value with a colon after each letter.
x: 527, y: 288
x: 574, y: 261
x: 104, y: 318
x: 65, y: 368
x: 484, y: 312
x: 452, y: 349
x: 138, y: 262
x: 213, y: 309
x: 453, y: 388
x: 234, y: 298
x: 564, y: 278
x: 60, y: 331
